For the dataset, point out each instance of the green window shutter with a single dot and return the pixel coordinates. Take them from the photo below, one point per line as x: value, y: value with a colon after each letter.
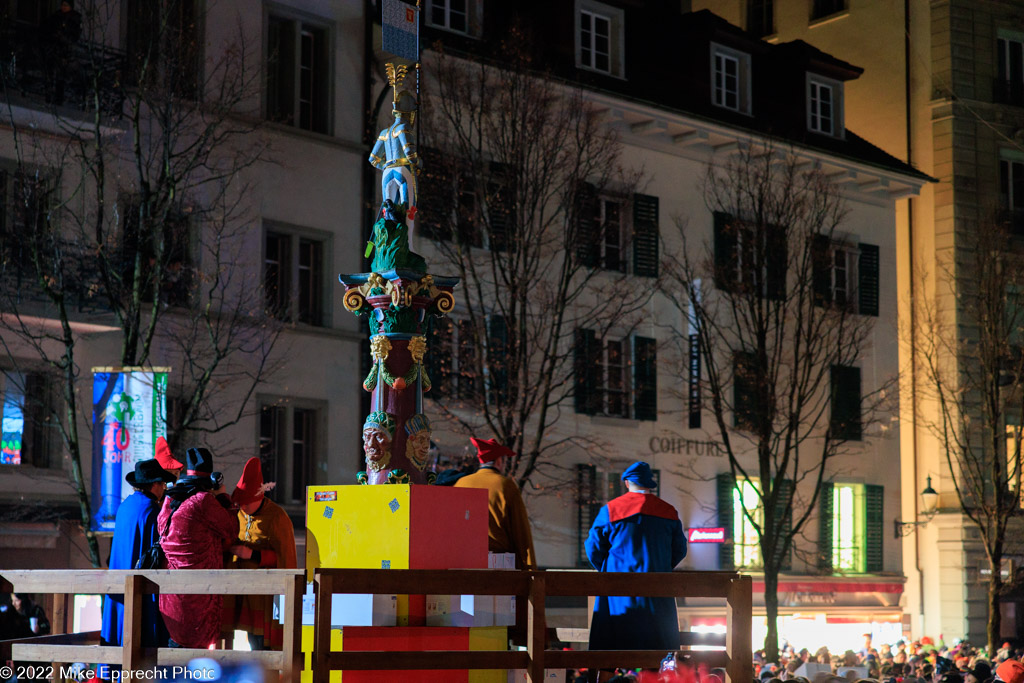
x: 439, y: 357
x: 825, y: 528
x: 744, y: 390
x: 725, y: 485
x: 436, y: 187
x: 497, y: 364
x: 725, y: 252
x: 645, y: 235
x: 845, y: 420
x: 500, y: 204
x: 776, y: 256
x: 874, y: 523
x: 588, y: 246
x: 584, y: 357
x: 784, y: 519
x: 645, y: 378
x: 821, y: 275
x: 587, y: 507
x: 868, y: 280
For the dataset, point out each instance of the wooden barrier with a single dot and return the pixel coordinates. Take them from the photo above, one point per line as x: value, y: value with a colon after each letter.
x: 532, y: 586
x: 535, y: 587
x: 133, y: 584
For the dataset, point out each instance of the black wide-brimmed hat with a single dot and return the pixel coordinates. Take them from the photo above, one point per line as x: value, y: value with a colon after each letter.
x: 148, y: 472
x: 198, y: 461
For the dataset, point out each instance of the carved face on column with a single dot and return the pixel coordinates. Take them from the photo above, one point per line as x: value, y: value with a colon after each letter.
x: 417, y: 443
x: 377, y: 435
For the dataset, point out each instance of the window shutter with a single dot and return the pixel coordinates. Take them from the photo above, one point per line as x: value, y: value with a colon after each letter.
x: 645, y: 235
x: 588, y: 247
x: 821, y: 276
x: 868, y: 280
x: 777, y: 257
x: 784, y: 520
x: 587, y: 508
x: 874, y: 523
x: 825, y: 528
x: 500, y: 206
x: 439, y: 357
x: 435, y: 192
x: 845, y: 418
x: 583, y: 370
x: 497, y: 359
x: 725, y: 252
x: 645, y: 378
x: 725, y: 485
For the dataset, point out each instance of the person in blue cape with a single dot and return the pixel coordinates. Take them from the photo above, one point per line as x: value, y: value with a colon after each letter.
x: 135, y: 530
x: 636, y: 532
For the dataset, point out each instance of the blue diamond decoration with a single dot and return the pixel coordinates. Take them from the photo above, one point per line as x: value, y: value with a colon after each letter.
x: 385, y: 564
x: 394, y: 505
x: 328, y: 511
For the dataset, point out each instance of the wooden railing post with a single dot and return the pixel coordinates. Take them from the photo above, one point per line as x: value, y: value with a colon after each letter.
x: 323, y: 589
x: 131, y: 646
x: 739, y: 622
x: 294, y: 590
x: 536, y: 628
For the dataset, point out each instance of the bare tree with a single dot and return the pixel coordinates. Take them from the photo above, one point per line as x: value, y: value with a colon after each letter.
x: 969, y: 343
x: 772, y: 332
x: 515, y: 165
x: 134, y: 211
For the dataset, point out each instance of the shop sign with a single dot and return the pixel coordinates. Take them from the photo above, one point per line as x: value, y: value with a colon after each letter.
x: 706, y: 535
x: 677, y: 445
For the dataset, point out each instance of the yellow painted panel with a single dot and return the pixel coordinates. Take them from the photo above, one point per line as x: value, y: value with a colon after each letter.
x: 488, y: 638
x: 357, y: 527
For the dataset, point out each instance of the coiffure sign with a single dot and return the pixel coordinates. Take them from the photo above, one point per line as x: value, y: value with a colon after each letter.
x: 677, y: 445
x: 706, y: 535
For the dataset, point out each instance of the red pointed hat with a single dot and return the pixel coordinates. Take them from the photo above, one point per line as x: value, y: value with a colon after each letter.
x: 250, y: 486
x: 489, y: 450
x: 164, y: 457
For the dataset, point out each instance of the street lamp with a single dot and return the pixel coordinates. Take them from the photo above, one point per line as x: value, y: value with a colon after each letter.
x: 929, y: 506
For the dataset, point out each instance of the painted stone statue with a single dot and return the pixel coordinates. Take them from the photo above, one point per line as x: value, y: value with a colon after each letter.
x: 378, y: 432
x: 391, y: 243
x: 395, y: 151
x: 417, y: 442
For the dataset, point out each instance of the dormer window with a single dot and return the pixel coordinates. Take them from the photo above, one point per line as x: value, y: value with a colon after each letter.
x: 824, y: 106
x: 730, y: 78
x: 599, y: 38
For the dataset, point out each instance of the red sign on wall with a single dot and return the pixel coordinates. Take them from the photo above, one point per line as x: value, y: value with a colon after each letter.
x: 706, y: 535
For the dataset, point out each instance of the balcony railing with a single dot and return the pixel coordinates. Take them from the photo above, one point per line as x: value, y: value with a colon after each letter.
x: 84, y: 75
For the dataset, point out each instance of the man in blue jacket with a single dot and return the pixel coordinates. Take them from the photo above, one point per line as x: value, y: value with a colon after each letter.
x: 636, y: 532
x: 135, y: 530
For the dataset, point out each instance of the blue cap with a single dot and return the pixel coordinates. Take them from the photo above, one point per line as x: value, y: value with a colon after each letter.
x: 640, y: 473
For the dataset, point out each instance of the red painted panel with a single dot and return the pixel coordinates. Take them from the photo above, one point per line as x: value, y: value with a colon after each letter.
x: 400, y: 638
x: 447, y: 528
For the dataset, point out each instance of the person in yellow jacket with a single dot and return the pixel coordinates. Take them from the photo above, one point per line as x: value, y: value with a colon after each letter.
x: 266, y: 540
x: 508, y: 526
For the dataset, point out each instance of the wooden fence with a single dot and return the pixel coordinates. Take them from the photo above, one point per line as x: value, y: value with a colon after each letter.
x: 533, y: 586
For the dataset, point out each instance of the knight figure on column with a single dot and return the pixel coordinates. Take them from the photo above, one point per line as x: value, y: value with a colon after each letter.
x: 395, y: 151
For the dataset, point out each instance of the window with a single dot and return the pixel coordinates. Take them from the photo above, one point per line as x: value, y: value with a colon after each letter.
x: 1013, y: 457
x: 164, y: 39
x: 595, y: 488
x: 139, y: 249
x: 826, y: 8
x: 30, y: 433
x: 750, y: 258
x: 25, y: 200
x: 606, y: 231
x: 458, y: 16
x: 845, y: 275
x: 746, y: 543
x: 615, y: 377
x: 290, y: 447
x: 743, y: 547
x: 730, y: 78
x: 825, y: 106
x: 744, y: 391
x: 845, y: 421
x: 599, y: 38
x: 452, y: 364
x: 1011, y: 191
x: 760, y: 18
x: 850, y: 523
x: 298, y: 73
x: 1009, y: 84
x: 293, y: 276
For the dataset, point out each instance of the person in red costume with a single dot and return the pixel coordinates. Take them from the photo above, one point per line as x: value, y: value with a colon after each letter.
x: 267, y: 541
x: 508, y: 526
x: 198, y: 527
